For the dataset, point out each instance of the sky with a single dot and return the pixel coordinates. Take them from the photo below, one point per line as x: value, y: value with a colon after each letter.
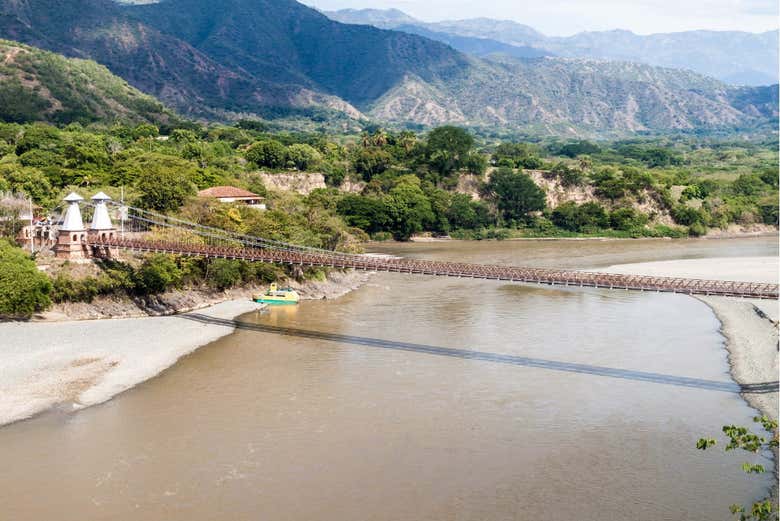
x: 566, y: 17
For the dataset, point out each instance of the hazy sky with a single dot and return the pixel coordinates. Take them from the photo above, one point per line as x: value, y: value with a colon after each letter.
x: 564, y: 17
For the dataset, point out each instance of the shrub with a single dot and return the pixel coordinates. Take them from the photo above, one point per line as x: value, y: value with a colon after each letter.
x: 515, y: 194
x: 270, y: 154
x: 223, y: 273
x: 23, y: 289
x: 572, y: 217
x: 687, y: 216
x: 748, y: 184
x: 158, y: 273
x: 627, y: 218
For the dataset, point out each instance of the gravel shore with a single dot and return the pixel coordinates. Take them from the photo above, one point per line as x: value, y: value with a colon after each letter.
x: 64, y: 360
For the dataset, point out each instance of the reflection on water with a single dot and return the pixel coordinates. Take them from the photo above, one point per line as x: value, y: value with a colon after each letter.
x: 417, y: 398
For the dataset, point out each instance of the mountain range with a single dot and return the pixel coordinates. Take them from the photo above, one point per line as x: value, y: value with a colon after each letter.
x: 735, y: 57
x: 270, y: 58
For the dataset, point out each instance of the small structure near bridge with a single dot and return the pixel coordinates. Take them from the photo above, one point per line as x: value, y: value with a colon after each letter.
x: 231, y: 194
x: 73, y: 237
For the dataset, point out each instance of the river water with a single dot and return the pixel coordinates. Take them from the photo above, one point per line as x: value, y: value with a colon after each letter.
x: 417, y: 398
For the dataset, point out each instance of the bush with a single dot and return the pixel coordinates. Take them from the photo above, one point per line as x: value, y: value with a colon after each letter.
x: 270, y: 154
x: 224, y: 273
x: 588, y: 216
x: 627, y: 218
x: 515, y: 194
x: 748, y: 184
x: 158, y: 273
x: 23, y: 289
x: 687, y: 216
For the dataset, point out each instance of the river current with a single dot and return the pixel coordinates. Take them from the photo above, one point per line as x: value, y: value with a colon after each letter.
x: 418, y: 398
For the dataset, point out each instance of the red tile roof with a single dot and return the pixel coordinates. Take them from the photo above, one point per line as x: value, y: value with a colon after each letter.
x: 226, y: 191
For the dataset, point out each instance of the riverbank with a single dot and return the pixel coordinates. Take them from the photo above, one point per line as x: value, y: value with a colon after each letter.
x: 61, y: 359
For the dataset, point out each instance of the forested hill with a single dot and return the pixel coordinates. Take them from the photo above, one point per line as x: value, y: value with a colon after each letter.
x: 292, y: 43
x: 269, y: 58
x: 37, y: 85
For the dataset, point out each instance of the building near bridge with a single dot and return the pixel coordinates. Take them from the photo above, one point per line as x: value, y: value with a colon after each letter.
x: 231, y: 194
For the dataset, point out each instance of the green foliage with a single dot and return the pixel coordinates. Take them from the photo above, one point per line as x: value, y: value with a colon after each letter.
x: 448, y: 149
x: 37, y: 85
x: 517, y: 155
x: 409, y: 208
x: 688, y: 216
x: 158, y: 273
x: 23, y: 289
x: 371, y: 162
x: 303, y: 156
x: 515, y: 194
x: 742, y: 438
x: 164, y: 182
x: 223, y: 273
x: 569, y: 176
x: 627, y: 218
x: 749, y: 185
x: 580, y: 218
x: 270, y: 154
x: 578, y: 148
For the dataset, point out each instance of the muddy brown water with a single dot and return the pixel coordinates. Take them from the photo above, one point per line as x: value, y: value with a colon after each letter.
x: 417, y: 398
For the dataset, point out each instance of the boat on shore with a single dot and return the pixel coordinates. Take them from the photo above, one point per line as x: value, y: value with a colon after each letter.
x: 276, y: 295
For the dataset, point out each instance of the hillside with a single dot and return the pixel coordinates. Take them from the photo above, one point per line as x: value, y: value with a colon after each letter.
x: 735, y: 57
x: 36, y: 85
x: 560, y: 96
x: 156, y: 63
x: 273, y: 58
x: 287, y: 41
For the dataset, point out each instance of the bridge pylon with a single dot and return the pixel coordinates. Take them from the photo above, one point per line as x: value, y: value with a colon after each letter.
x: 71, y: 236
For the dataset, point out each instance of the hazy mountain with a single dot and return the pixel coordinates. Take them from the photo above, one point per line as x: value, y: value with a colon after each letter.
x: 566, y: 95
x: 37, y: 85
x: 738, y: 58
x: 275, y: 56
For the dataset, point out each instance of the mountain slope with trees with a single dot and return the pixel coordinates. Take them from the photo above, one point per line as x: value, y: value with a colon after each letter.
x: 37, y: 85
x: 276, y: 58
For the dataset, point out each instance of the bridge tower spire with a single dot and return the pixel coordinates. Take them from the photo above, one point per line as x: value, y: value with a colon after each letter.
x: 101, y: 227
x: 72, y: 235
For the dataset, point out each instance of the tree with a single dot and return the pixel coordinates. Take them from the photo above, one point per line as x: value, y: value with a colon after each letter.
x: 627, y: 218
x: 270, y: 154
x: 157, y: 273
x: 409, y: 207
x: 447, y: 149
x: 370, y: 162
x: 749, y: 184
x: 163, y: 190
x: 224, y: 273
x: 370, y: 214
x: 742, y: 438
x: 23, y: 289
x: 515, y: 194
x: 303, y: 157
x: 464, y: 213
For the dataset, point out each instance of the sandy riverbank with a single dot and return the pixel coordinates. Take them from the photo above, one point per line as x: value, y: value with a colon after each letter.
x: 64, y: 360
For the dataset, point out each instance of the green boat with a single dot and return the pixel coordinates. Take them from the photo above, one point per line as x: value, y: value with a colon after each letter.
x: 276, y: 295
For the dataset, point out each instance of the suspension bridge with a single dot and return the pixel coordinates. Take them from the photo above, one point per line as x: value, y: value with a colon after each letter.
x: 147, y: 231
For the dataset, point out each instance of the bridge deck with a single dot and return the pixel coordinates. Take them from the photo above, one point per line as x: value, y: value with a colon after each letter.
x: 456, y: 269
